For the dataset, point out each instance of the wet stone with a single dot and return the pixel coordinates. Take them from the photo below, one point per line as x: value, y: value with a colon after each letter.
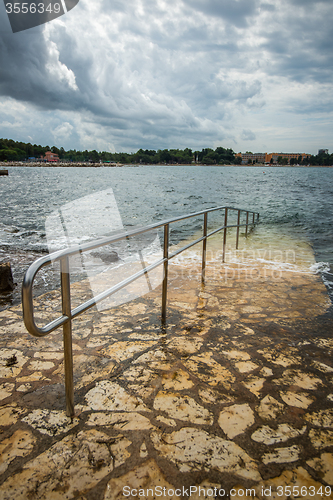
x: 182, y: 408
x: 52, y: 423
x: 10, y: 414
x: 282, y: 455
x: 323, y: 418
x: 147, y: 476
x: 235, y: 419
x: 267, y: 435
x: 321, y: 438
x: 6, y: 390
x: 324, y: 467
x: 195, y: 449
x: 300, y: 379
x: 111, y: 396
x: 269, y: 408
x: 300, y: 400
x: 237, y: 358
x: 11, y: 363
x: 120, y: 421
x: 208, y: 370
x: 74, y: 464
x: 176, y: 380
x: 121, y: 351
x: 20, y: 444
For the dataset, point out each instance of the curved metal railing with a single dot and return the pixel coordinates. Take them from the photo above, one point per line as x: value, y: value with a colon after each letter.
x: 65, y: 320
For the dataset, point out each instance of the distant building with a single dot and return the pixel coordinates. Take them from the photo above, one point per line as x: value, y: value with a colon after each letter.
x: 272, y: 158
x: 49, y: 156
x: 323, y: 151
x: 252, y: 157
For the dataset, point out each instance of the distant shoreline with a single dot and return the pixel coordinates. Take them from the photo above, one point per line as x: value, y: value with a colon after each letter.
x: 117, y: 165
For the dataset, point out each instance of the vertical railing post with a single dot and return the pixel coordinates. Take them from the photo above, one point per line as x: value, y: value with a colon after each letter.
x: 204, y: 248
x: 225, y: 233
x: 253, y: 218
x: 247, y: 222
x: 237, y: 234
x: 67, y: 333
x: 165, y: 271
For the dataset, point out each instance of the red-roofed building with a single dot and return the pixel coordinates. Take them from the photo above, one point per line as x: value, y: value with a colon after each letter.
x: 49, y: 156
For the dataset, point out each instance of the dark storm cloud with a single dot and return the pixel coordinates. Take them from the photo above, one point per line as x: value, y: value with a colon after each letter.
x: 299, y: 41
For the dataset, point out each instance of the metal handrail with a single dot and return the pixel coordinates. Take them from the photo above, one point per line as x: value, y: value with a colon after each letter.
x: 65, y: 320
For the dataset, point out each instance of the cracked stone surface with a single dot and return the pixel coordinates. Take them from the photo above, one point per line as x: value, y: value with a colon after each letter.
x: 234, y: 391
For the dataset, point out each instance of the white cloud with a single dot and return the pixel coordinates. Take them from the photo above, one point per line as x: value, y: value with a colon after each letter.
x: 157, y: 74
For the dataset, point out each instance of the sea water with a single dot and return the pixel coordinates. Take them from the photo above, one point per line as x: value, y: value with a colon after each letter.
x: 295, y: 206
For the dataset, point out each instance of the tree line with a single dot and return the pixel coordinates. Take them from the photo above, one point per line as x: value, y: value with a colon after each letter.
x: 13, y: 150
x: 20, y: 151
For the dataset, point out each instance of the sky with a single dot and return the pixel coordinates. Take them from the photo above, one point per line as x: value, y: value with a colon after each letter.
x: 115, y: 75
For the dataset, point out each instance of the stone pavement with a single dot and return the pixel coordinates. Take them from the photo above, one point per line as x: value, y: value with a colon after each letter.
x: 234, y: 395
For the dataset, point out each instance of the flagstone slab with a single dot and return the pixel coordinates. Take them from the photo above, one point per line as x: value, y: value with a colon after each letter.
x: 10, y: 414
x: 267, y: 435
x: 6, y: 390
x: 324, y: 467
x: 209, y: 395
x: 269, y: 408
x: 20, y: 444
x: 49, y: 355
x: 321, y: 438
x: 237, y: 355
x: 139, y: 373
x: 11, y: 362
x: 182, y: 408
x: 323, y: 367
x: 254, y: 385
x: 73, y: 465
x: 52, y: 423
x: 234, y: 420
x: 209, y: 370
x: 111, y: 396
x: 279, y: 358
x: 297, y: 399
x: 177, y: 380
x: 121, y: 351
x: 303, y: 380
x: 192, y: 449
x: 185, y: 345
x: 155, y: 359
x: 143, y: 478
x: 40, y: 365
x: 246, y: 366
x: 121, y: 421
x: 282, y: 455
x: 322, y: 418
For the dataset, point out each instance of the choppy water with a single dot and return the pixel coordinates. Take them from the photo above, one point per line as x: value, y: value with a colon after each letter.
x: 292, y: 201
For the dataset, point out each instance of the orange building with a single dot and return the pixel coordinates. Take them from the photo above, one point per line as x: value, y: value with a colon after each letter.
x: 272, y: 158
x: 49, y: 156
